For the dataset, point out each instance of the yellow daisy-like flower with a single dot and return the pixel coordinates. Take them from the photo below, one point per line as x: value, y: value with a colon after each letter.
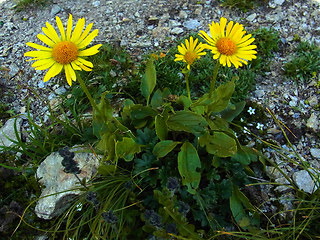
x: 66, y: 51
x: 190, y: 52
x: 229, y: 44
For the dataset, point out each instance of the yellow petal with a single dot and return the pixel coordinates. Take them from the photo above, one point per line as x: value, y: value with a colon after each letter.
x: 182, y: 49
x: 53, y: 33
x: 85, y: 68
x: 223, y: 59
x: 84, y: 34
x: 75, y: 66
x: 78, y: 29
x: 46, y: 40
x: 68, y: 77
x: 43, y: 62
x: 45, y: 66
x: 223, y: 23
x: 37, y: 46
x: 80, y: 61
x: 90, y: 51
x: 71, y: 71
x: 53, y: 71
x: 229, y: 27
x: 61, y: 28
x: 38, y: 54
x: 69, y: 27
x: 88, y: 39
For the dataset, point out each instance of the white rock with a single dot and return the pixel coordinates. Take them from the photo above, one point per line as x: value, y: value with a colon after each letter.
x: 304, y: 181
x: 183, y: 14
x: 54, y: 10
x: 251, y: 17
x: 191, y: 24
x: 279, y: 2
x: 51, y: 174
x: 7, y: 132
x: 315, y: 152
x: 177, y: 30
x: 313, y: 122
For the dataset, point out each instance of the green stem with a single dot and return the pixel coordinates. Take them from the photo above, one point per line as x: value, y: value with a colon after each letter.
x: 187, y: 83
x: 214, y: 79
x: 86, y: 91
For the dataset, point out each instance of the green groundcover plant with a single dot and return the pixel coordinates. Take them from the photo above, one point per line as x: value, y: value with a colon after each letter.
x: 171, y: 166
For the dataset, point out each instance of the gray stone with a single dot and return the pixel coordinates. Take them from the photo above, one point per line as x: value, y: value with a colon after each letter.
x: 7, y: 132
x: 251, y: 17
x: 304, y: 181
x: 96, y: 3
x: 313, y: 100
x: 55, y: 10
x: 313, y: 122
x: 60, y: 90
x: 315, y: 152
x: 191, y: 24
x: 60, y: 187
x: 279, y: 2
x: 177, y: 31
x: 183, y: 14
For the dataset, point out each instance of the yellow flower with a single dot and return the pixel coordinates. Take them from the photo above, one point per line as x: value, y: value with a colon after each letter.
x: 66, y: 51
x: 190, y: 52
x: 229, y: 45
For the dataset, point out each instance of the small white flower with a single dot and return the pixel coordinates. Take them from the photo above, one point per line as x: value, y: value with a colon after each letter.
x: 79, y: 207
x: 241, y: 120
x: 251, y: 111
x: 245, y: 130
x: 260, y: 126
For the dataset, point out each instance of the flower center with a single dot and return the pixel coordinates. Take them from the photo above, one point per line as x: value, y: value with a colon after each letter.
x: 65, y: 52
x: 190, y: 57
x: 226, y: 46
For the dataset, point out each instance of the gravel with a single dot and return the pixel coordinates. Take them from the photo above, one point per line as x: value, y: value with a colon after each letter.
x: 145, y: 25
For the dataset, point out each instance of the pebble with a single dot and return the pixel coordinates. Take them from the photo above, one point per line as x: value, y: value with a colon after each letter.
x: 251, y: 17
x: 315, y: 152
x: 176, y: 31
x: 313, y: 122
x: 55, y: 10
x: 304, y: 181
x: 191, y: 24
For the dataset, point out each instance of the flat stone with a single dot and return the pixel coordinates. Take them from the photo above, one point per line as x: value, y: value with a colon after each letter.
x: 315, y: 152
x: 7, y: 132
x: 313, y: 122
x: 177, y: 31
x: 51, y: 174
x: 304, y: 181
x: 251, y: 17
x: 191, y: 24
x: 55, y: 10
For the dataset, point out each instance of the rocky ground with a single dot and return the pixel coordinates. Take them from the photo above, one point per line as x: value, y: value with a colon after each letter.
x: 143, y: 25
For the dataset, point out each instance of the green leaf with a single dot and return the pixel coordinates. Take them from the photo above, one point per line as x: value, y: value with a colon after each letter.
x: 161, y: 127
x: 219, y: 144
x: 233, y: 111
x: 107, y: 169
x: 162, y: 148
x: 187, y: 121
x: 245, y: 155
x: 149, y: 79
x: 127, y: 148
x: 239, y: 204
x: 107, y: 144
x: 185, y: 101
x: 141, y: 114
x: 189, y: 166
x: 221, y: 97
x: 158, y: 97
